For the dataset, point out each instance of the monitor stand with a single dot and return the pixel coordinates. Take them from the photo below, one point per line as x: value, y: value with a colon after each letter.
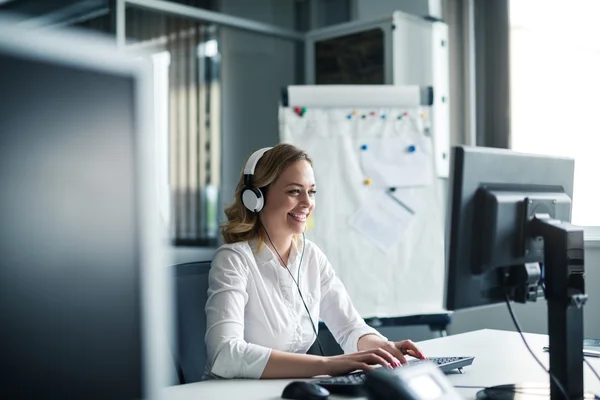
x: 565, y: 294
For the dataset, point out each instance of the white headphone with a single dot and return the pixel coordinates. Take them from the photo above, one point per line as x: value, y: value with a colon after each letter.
x: 252, y: 198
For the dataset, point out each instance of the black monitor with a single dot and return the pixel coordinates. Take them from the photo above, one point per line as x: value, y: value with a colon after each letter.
x: 80, y: 246
x: 510, y: 239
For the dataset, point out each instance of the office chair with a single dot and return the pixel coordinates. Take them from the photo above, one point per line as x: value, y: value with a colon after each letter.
x: 191, y: 287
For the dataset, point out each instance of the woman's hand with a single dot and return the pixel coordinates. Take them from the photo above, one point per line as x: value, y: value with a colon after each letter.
x: 365, y: 360
x: 397, y: 349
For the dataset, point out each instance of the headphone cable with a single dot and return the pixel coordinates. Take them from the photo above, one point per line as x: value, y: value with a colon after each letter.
x: 297, y: 285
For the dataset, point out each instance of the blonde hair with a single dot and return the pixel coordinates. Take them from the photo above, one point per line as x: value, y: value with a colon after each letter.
x: 243, y: 224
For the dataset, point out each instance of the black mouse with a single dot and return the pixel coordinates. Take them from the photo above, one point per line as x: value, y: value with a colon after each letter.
x: 300, y: 390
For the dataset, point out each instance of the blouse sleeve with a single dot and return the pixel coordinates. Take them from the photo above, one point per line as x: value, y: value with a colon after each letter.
x: 338, y: 313
x: 228, y: 354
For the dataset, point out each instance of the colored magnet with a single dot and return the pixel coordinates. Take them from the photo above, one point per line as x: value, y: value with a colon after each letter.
x: 354, y: 112
x: 300, y: 111
x: 399, y: 116
x: 411, y: 148
x: 364, y: 116
x: 349, y: 116
x: 368, y: 181
x: 405, y: 114
x: 383, y: 116
x: 423, y: 115
x: 372, y: 112
x: 363, y: 147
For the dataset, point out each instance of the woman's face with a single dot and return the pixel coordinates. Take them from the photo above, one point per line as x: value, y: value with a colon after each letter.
x: 289, y: 200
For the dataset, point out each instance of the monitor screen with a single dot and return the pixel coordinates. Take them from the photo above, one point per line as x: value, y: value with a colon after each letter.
x: 72, y: 212
x: 494, y: 193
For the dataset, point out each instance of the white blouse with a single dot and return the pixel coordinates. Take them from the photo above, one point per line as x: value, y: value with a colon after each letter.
x: 253, y: 306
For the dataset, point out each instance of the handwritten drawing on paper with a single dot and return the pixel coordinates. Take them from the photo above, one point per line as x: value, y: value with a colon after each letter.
x: 411, y: 198
x: 381, y: 220
x: 397, y: 162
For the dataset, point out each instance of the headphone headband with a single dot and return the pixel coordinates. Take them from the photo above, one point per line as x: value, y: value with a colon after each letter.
x: 252, y: 198
x: 253, y: 160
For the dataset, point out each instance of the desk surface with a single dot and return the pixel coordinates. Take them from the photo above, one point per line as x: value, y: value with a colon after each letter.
x: 500, y: 358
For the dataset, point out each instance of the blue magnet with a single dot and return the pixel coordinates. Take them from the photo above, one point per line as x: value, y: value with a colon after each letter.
x: 349, y: 116
x: 363, y: 147
x: 411, y: 148
x: 383, y: 116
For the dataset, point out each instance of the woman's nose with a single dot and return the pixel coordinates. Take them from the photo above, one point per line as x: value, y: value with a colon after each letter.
x: 305, y: 198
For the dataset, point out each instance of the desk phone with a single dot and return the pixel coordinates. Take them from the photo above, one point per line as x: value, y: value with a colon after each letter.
x: 424, y: 381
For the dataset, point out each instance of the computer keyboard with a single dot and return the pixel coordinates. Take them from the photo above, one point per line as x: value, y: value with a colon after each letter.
x: 352, y: 384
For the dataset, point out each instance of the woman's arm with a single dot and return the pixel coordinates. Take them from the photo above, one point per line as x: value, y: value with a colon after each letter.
x: 229, y: 355
x: 396, y: 349
x: 291, y: 365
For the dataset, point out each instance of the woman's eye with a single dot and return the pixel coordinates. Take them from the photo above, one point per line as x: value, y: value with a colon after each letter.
x: 295, y: 191
x: 312, y: 192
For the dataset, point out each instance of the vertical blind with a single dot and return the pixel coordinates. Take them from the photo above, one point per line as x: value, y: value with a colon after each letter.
x: 192, y: 110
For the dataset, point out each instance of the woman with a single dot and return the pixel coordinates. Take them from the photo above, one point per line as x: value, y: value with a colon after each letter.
x: 269, y: 286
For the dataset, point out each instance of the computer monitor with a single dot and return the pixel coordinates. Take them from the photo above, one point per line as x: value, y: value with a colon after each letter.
x: 509, y: 238
x: 82, y: 288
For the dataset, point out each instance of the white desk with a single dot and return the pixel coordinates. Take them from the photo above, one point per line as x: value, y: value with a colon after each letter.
x: 500, y: 358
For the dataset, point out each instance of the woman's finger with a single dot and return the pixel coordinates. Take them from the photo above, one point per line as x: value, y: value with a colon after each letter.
x: 384, y: 354
x: 396, y: 352
x: 415, y: 354
x: 364, y: 366
x: 407, y: 345
x: 376, y: 359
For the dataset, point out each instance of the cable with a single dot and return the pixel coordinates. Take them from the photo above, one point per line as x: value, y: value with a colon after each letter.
x: 297, y: 285
x: 502, y: 389
x: 469, y: 387
x: 592, y: 368
x: 518, y: 326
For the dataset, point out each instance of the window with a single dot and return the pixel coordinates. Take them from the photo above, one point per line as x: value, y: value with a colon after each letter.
x: 555, y: 88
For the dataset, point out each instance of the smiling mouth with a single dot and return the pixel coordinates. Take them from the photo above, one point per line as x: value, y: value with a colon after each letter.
x: 298, y: 216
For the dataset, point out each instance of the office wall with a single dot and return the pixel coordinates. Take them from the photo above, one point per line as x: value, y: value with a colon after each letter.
x: 254, y: 68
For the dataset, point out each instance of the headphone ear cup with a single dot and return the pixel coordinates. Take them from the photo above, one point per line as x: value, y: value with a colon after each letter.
x: 253, y: 199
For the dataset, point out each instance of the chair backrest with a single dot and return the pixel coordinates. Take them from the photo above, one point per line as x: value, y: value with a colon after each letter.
x: 191, y: 293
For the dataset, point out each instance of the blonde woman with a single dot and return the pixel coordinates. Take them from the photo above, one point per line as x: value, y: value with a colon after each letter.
x: 269, y: 286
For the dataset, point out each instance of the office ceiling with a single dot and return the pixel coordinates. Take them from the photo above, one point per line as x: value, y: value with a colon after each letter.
x: 73, y: 8
x: 51, y: 11
x: 37, y: 8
